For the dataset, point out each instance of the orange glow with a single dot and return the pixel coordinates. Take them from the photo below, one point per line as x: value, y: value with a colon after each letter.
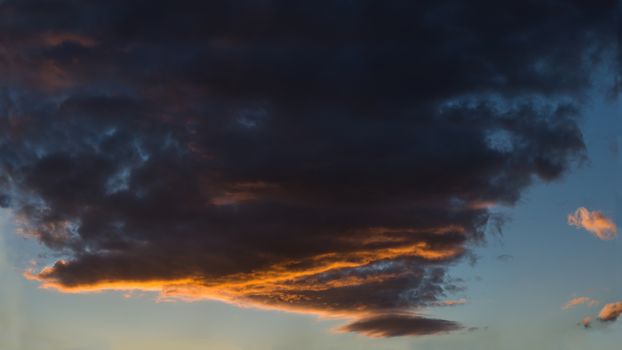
x: 451, y: 302
x: 55, y: 39
x: 240, y: 193
x: 286, y: 285
x: 278, y: 287
x: 481, y: 204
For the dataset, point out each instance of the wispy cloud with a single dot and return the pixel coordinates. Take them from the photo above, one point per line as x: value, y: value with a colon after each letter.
x: 594, y: 222
x: 580, y: 301
x: 505, y: 258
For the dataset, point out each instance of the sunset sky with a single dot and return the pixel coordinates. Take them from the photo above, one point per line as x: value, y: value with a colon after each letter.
x: 276, y: 175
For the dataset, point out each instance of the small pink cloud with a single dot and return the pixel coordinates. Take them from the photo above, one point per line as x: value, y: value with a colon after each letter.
x: 586, y: 322
x: 594, y: 222
x: 611, y: 312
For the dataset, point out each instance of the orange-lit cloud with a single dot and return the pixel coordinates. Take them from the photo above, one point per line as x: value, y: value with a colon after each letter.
x: 610, y: 312
x: 594, y: 222
x: 580, y: 301
x: 277, y: 282
x: 315, y: 285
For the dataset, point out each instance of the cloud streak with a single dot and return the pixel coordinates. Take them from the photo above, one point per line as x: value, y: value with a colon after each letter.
x: 580, y: 301
x: 594, y: 222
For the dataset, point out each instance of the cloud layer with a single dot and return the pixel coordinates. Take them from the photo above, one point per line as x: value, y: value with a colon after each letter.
x: 326, y: 157
x: 594, y: 222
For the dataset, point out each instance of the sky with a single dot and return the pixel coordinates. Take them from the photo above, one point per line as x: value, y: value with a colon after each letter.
x: 310, y: 175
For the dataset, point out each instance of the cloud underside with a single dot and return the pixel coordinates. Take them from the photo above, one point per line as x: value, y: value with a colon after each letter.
x: 328, y: 157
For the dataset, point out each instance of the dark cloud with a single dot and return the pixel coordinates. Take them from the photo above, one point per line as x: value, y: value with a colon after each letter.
x: 325, y: 157
x: 400, y: 325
